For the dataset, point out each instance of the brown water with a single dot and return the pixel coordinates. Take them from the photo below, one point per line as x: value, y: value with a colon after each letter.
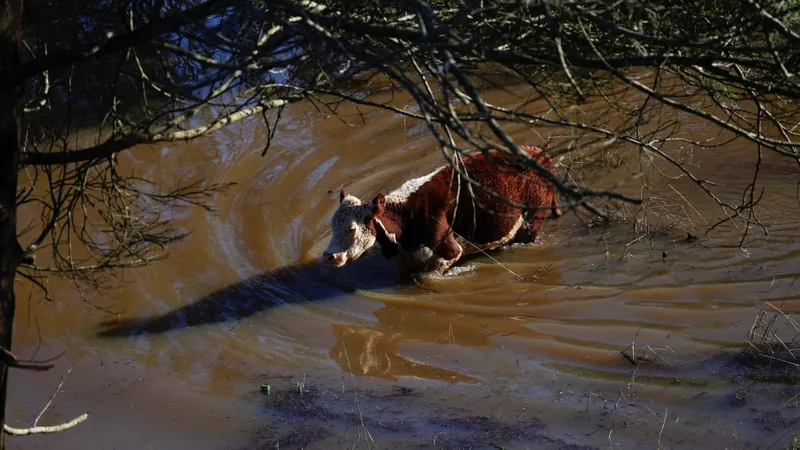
x: 479, y: 359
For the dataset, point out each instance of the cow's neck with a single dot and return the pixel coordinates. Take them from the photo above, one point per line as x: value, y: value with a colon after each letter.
x: 389, y: 227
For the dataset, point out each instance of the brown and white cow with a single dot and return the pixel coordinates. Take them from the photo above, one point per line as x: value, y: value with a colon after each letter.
x: 414, y: 220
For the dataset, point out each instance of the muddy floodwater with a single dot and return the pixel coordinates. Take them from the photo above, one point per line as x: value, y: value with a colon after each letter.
x: 518, y: 350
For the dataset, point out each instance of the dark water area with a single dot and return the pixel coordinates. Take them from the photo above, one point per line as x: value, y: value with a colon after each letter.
x: 479, y: 359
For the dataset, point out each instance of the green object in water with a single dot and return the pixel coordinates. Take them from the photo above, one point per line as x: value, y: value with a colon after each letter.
x: 265, y: 388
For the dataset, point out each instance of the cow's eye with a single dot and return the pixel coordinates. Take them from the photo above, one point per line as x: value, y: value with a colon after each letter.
x: 351, y: 229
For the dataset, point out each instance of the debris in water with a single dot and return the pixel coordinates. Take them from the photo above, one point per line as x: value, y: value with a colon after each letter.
x: 265, y: 388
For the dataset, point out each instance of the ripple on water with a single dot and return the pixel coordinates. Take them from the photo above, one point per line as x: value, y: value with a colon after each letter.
x: 248, y: 287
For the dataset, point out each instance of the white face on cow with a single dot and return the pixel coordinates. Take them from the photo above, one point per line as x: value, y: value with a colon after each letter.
x: 352, y: 234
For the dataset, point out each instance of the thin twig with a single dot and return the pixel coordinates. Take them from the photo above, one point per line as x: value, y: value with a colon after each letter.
x: 45, y: 429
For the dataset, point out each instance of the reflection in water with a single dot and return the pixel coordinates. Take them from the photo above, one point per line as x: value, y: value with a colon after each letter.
x: 367, y: 351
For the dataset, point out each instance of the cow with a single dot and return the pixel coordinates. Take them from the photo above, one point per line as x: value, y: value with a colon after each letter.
x: 434, y: 220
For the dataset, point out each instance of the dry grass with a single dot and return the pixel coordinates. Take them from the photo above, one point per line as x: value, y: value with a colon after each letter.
x: 641, y: 352
x: 658, y: 215
x: 664, y: 209
x: 773, y: 345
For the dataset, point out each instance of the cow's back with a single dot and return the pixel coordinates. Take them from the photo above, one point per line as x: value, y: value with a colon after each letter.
x: 487, y: 218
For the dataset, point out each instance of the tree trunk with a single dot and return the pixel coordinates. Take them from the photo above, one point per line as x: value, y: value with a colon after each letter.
x: 10, y: 250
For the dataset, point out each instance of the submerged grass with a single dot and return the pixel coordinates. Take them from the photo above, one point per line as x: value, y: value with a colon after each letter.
x: 772, y: 346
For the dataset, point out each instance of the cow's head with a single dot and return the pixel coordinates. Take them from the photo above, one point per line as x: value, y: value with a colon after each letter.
x: 353, y: 229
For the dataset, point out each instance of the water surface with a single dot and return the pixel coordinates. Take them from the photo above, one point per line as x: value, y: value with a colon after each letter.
x: 526, y: 343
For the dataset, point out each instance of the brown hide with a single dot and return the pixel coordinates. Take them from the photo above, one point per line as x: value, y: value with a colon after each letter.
x: 424, y: 219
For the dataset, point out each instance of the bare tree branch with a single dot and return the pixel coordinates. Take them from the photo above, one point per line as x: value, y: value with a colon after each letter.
x: 113, y: 44
x: 45, y: 429
x: 175, y: 73
x: 113, y: 146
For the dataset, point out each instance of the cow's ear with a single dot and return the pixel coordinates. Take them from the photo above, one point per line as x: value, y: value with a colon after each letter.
x: 378, y: 204
x: 342, y: 195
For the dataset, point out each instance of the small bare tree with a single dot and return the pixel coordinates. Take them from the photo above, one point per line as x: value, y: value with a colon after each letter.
x: 81, y: 83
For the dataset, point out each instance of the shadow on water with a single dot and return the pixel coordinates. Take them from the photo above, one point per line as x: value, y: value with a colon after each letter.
x: 298, y: 283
